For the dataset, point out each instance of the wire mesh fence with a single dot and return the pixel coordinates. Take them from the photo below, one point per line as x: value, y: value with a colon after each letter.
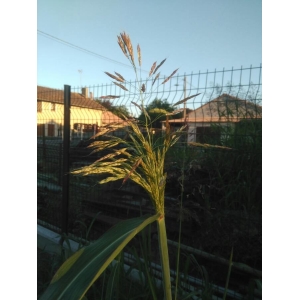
x: 220, y: 186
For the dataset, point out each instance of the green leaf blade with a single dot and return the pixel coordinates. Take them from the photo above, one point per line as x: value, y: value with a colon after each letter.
x: 81, y: 270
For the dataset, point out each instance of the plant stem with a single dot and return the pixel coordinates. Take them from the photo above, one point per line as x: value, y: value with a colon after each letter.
x: 180, y: 222
x: 228, y: 275
x: 164, y: 256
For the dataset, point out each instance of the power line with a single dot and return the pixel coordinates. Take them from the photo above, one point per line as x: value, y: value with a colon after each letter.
x: 82, y: 49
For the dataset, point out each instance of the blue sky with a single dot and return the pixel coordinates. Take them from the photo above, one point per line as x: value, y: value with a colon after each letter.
x: 193, y: 35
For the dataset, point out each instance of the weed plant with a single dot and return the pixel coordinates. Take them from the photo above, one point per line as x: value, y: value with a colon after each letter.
x: 142, y: 160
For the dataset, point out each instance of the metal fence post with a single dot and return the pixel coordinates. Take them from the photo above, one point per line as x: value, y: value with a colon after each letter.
x: 66, y: 167
x: 60, y: 163
x: 44, y: 143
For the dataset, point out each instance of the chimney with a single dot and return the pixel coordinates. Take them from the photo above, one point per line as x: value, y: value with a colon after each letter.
x: 85, y: 92
x: 91, y: 96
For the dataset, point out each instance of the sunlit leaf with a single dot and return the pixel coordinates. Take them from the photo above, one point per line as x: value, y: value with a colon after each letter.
x: 81, y: 270
x: 208, y: 145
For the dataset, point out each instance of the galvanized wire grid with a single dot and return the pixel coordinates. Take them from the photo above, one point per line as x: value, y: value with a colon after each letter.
x: 222, y: 200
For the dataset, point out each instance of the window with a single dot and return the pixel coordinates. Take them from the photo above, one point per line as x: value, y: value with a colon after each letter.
x: 51, y: 129
x: 52, y: 106
x: 39, y: 106
x: 40, y: 129
x: 210, y: 134
x: 86, y: 127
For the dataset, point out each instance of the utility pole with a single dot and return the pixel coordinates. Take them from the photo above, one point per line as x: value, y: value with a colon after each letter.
x: 66, y: 164
x: 184, y: 95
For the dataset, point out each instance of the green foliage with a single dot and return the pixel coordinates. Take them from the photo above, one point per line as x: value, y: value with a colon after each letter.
x: 157, y: 110
x: 119, y: 110
x: 236, y: 166
x: 81, y: 270
x: 162, y: 104
x: 47, y: 265
x: 247, y: 136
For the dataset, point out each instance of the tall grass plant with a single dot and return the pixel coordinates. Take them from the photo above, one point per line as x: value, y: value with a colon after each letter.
x: 142, y: 160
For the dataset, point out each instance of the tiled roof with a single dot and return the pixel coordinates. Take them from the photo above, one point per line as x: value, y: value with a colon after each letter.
x: 227, y: 106
x: 108, y: 117
x: 223, y: 109
x: 57, y: 96
x: 205, y: 120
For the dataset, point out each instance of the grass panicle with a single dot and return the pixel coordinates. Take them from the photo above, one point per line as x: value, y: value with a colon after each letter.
x: 145, y: 164
x: 157, y: 75
x: 110, y: 97
x: 121, y: 86
x: 121, y: 79
x: 137, y: 105
x: 127, y: 42
x: 185, y: 99
x: 168, y: 78
x: 122, y: 46
x: 162, y: 62
x: 139, y: 55
x: 120, y: 76
x: 152, y: 69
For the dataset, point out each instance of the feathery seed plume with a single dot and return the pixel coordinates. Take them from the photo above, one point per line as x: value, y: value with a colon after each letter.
x: 109, y: 97
x: 126, y: 39
x: 120, y: 85
x: 122, y: 46
x: 157, y: 75
x: 159, y: 66
x: 152, y: 69
x: 120, y: 76
x: 137, y: 105
x: 114, y: 77
x: 185, y: 99
x: 139, y: 55
x: 169, y: 76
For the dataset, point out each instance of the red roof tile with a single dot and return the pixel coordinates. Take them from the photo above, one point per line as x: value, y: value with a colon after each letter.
x: 57, y: 96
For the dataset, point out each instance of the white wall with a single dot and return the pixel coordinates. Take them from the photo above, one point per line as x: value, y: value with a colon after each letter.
x: 78, y: 115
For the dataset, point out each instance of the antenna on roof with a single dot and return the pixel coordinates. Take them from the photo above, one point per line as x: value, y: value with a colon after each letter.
x: 80, y: 71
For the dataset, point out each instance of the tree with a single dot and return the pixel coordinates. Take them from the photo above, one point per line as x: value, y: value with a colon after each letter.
x: 119, y: 110
x: 106, y: 103
x: 157, y: 110
x: 180, y: 115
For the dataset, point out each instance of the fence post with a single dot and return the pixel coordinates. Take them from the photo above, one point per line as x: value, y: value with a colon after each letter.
x: 66, y: 166
x: 44, y: 144
x: 60, y: 164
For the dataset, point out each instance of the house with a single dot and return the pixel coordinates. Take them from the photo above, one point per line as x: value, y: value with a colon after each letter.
x: 225, y: 111
x: 86, y: 118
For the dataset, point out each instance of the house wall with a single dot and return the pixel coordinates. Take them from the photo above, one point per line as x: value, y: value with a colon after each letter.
x: 192, y: 132
x: 51, y: 116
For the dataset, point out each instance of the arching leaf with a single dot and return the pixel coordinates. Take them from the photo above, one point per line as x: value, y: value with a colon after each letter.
x: 80, y: 271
